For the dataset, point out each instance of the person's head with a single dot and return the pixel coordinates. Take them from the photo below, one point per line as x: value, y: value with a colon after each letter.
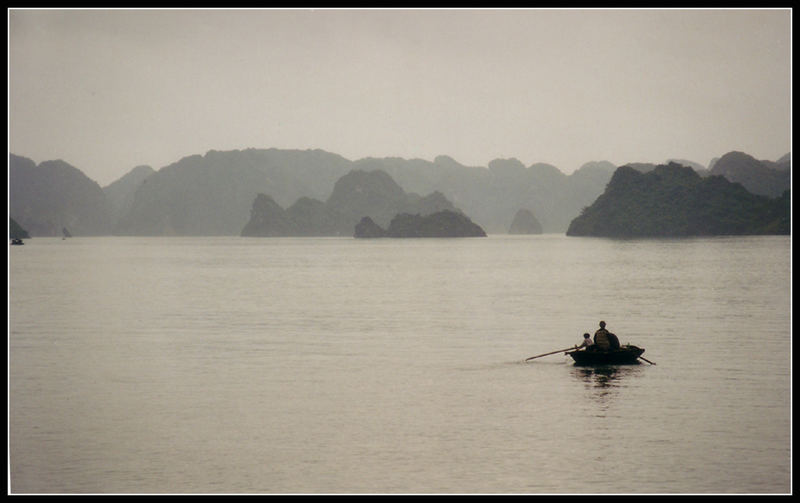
x: 602, y: 324
x: 586, y: 336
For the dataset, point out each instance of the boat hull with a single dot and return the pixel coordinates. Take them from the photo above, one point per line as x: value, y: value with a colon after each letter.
x: 624, y: 355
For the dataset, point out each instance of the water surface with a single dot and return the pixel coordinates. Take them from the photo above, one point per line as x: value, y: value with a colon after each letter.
x: 326, y: 365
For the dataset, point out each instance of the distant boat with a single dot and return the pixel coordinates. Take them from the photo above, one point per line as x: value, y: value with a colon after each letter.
x: 17, y: 242
x: 621, y: 355
x: 625, y: 354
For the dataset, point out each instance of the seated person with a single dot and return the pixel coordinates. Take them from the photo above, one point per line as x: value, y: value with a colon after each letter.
x: 587, y: 343
x: 601, y: 339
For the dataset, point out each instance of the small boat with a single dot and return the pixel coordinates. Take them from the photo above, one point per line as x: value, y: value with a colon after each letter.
x: 623, y: 355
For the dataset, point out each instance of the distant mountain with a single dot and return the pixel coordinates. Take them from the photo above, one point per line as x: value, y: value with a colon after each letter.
x: 214, y: 193
x: 673, y: 200
x: 45, y: 199
x: 120, y: 193
x: 355, y: 195
x: 367, y: 193
x: 684, y: 162
x: 367, y: 228
x: 642, y: 167
x: 764, y: 178
x: 441, y: 224
x: 492, y: 195
x: 269, y: 219
x: 15, y: 231
x: 525, y: 223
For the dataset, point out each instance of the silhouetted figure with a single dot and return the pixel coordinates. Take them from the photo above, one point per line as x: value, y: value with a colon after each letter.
x: 587, y: 343
x: 601, y: 338
x: 613, y: 342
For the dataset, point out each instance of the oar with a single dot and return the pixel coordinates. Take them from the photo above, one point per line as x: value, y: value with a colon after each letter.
x: 551, y: 353
x: 645, y: 359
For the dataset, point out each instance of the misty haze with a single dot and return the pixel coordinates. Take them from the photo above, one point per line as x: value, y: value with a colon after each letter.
x: 341, y: 251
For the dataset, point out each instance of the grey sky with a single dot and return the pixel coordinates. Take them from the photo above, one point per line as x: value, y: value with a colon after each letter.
x: 106, y: 90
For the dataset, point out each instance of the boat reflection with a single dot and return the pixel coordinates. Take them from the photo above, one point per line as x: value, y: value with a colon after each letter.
x: 606, y: 376
x: 605, y: 383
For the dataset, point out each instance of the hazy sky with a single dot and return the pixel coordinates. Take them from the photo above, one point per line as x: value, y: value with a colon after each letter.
x: 106, y: 90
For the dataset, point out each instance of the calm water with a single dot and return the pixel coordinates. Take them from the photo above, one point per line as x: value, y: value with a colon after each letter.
x: 197, y: 365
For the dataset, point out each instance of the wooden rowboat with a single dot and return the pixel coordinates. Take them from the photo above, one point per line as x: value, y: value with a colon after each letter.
x: 627, y: 354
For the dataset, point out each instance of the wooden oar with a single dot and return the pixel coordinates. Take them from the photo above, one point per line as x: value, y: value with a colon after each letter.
x: 552, y: 353
x: 645, y: 359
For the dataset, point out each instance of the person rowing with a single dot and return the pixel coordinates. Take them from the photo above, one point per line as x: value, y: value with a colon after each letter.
x: 587, y: 343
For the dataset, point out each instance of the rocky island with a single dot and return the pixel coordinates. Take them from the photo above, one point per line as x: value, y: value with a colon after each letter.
x: 525, y: 223
x: 442, y: 224
x: 15, y: 231
x: 357, y: 194
x: 674, y: 201
x: 216, y: 194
